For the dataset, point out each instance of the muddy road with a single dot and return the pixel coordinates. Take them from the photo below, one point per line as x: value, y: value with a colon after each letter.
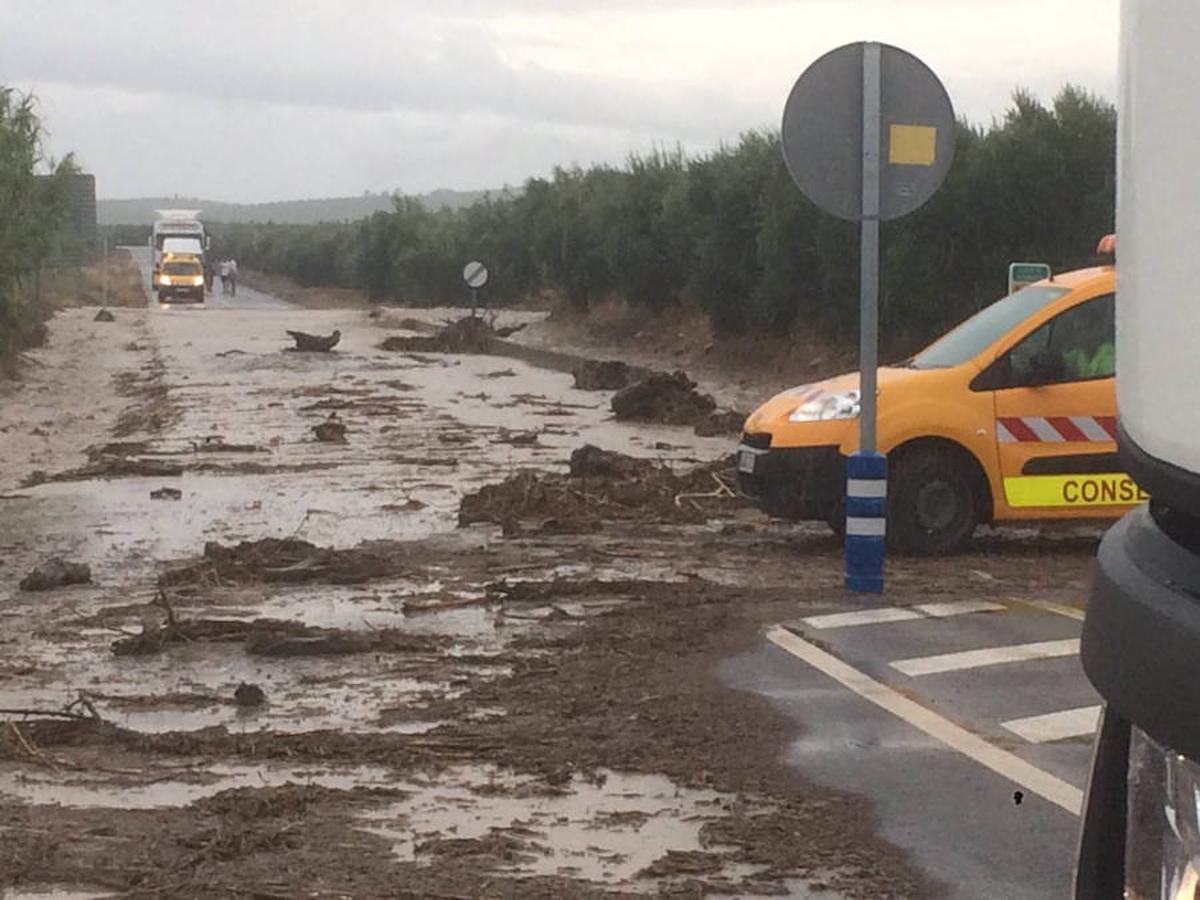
x: 371, y: 623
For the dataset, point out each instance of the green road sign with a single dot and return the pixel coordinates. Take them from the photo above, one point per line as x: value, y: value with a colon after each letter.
x: 1023, y: 274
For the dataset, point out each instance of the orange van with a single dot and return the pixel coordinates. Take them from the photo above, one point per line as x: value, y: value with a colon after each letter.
x: 1009, y: 416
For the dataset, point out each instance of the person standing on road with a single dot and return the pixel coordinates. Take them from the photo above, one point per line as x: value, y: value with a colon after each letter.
x: 233, y: 277
x: 223, y: 271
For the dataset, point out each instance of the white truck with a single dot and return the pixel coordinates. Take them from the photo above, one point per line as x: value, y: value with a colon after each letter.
x: 174, y: 225
x: 1141, y: 639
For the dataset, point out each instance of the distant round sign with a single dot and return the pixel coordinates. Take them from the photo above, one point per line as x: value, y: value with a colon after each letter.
x: 823, y: 132
x: 475, y: 274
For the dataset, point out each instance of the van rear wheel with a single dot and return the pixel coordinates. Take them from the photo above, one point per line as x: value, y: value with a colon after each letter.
x: 933, y: 506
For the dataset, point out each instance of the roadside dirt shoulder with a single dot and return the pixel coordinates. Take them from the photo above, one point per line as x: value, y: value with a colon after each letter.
x: 739, y: 372
x: 68, y: 393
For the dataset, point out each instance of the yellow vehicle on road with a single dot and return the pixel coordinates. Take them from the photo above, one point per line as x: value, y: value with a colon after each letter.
x: 180, y: 276
x: 1009, y: 416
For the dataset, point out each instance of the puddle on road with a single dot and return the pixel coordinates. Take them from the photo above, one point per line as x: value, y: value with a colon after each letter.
x: 608, y: 831
x: 346, y: 693
x: 151, y: 790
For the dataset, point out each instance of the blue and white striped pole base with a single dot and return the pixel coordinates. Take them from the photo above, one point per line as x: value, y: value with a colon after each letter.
x: 866, y: 521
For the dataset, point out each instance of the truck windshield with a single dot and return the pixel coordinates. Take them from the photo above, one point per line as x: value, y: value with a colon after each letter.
x: 970, y: 338
x: 182, y: 268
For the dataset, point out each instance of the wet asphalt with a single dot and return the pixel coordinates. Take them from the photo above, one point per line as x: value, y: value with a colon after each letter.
x: 960, y: 821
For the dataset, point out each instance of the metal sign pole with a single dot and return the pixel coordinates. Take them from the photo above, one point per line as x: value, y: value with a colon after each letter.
x: 868, y: 290
x: 866, y: 470
x: 474, y: 301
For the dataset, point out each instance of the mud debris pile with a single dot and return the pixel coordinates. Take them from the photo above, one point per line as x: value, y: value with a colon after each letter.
x: 288, y: 561
x: 667, y: 399
x: 471, y: 334
x: 272, y: 637
x: 672, y: 399
x: 603, y: 485
x: 603, y: 375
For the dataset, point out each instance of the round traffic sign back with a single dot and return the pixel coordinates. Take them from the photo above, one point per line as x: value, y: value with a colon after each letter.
x: 823, y: 127
x: 475, y: 274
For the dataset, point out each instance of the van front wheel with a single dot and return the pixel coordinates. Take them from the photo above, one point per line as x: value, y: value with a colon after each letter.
x: 932, y: 506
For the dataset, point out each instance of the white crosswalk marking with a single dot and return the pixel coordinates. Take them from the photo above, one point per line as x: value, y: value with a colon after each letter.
x: 901, y: 613
x: 861, y: 617
x: 1056, y: 726
x: 958, y: 608
x: 988, y: 656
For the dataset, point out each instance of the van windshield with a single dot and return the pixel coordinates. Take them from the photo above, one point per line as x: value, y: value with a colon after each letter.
x: 182, y: 268
x: 973, y: 336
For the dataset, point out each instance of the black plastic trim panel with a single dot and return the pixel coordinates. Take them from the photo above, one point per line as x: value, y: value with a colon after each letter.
x: 1073, y: 464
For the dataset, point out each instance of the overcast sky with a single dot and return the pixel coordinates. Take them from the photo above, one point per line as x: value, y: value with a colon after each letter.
x: 254, y: 100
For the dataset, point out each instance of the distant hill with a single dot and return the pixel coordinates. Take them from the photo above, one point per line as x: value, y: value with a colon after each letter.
x: 140, y: 210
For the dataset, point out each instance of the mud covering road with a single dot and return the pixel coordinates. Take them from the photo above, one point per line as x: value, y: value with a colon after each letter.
x: 295, y: 673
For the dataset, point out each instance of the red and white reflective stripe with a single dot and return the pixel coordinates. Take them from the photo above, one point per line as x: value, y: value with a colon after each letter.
x: 1056, y: 429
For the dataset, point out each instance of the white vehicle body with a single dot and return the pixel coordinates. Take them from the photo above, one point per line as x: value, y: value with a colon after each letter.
x: 1158, y: 219
x: 175, y: 224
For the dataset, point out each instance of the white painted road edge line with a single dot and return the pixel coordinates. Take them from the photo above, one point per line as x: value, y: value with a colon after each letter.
x: 1056, y: 726
x: 987, y: 656
x: 862, y: 617
x: 1003, y: 763
x: 884, y: 614
x: 958, y: 608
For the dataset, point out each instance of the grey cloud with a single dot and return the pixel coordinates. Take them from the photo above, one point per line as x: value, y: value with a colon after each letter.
x: 396, y: 62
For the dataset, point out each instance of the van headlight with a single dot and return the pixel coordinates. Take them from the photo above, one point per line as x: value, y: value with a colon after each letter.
x: 164, y: 279
x: 828, y: 406
x: 1162, y: 846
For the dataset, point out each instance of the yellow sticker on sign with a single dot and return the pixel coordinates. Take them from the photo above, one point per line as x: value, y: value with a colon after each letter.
x: 1115, y: 489
x: 912, y: 145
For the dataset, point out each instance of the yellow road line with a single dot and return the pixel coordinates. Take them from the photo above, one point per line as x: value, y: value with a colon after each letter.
x: 1059, y: 609
x: 1002, y: 762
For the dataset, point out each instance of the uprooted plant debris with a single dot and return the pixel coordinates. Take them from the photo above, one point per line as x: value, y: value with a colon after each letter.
x: 288, y: 561
x: 215, y: 443
x: 268, y: 637
x: 602, y: 484
x: 467, y: 335
x: 667, y: 399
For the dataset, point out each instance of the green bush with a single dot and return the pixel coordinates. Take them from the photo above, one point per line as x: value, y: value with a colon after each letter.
x: 31, y: 214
